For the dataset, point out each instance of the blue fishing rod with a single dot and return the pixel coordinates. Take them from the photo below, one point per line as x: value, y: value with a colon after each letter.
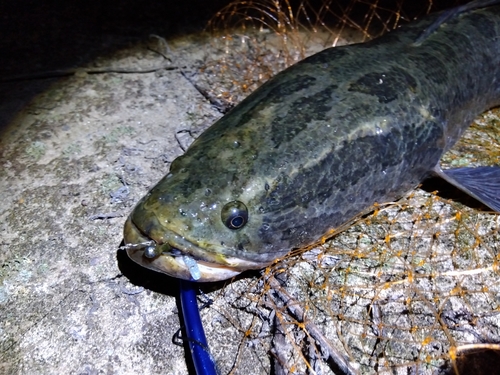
x: 204, y: 363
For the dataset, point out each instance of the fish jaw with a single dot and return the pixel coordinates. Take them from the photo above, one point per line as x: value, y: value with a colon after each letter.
x: 207, y: 267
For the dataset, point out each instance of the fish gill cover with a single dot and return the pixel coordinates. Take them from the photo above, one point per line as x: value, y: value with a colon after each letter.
x: 410, y: 288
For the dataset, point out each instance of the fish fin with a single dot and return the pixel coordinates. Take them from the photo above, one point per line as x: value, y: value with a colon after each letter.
x: 481, y: 183
x: 449, y: 14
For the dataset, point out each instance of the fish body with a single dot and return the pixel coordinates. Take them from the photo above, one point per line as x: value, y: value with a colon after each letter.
x: 320, y: 143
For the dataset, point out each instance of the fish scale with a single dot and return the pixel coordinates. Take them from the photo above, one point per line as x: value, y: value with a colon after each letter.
x: 322, y: 142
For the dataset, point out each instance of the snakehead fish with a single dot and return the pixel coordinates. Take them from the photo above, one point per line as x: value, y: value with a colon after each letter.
x: 322, y: 142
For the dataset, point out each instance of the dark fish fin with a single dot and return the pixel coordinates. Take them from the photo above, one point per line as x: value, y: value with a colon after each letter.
x: 482, y: 183
x: 449, y: 14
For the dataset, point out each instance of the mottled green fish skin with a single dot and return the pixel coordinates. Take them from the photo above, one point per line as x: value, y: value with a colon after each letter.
x: 321, y: 142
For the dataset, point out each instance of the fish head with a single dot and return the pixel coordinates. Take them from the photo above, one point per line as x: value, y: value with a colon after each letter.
x: 203, y: 220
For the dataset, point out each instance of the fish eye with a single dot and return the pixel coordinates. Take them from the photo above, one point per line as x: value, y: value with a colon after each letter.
x: 234, y: 215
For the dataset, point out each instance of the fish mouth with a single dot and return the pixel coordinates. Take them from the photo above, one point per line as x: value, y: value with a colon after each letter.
x: 175, y: 256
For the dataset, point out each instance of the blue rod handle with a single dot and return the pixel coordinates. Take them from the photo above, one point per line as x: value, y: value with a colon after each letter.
x: 203, y: 361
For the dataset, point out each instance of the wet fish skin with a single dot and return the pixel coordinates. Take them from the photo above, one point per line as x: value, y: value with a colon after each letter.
x: 319, y: 143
